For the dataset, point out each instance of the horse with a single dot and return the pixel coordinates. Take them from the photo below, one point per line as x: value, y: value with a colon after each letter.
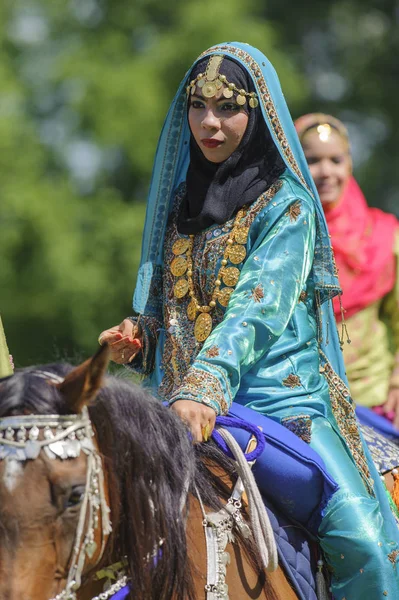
x: 99, y: 482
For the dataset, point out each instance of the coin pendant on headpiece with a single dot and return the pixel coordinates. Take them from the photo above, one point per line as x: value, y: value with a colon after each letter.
x: 227, y: 93
x: 209, y: 90
x: 253, y: 102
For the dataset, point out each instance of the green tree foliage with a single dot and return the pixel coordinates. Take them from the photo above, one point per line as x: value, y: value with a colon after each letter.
x: 84, y: 88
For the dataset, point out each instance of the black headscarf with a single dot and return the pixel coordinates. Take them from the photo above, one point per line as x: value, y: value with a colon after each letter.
x: 215, y: 191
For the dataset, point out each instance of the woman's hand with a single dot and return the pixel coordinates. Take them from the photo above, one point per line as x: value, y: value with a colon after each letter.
x: 199, y: 417
x: 124, y: 340
x: 391, y: 406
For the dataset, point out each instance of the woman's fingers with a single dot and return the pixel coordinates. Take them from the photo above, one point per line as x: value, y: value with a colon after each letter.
x: 124, y: 351
x: 199, y: 417
x: 125, y: 329
x: 109, y: 336
x: 124, y: 341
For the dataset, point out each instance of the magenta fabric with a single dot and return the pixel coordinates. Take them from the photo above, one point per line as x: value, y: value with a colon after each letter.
x: 363, y: 244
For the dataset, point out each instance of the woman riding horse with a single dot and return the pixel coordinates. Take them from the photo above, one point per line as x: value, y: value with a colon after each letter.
x: 234, y: 297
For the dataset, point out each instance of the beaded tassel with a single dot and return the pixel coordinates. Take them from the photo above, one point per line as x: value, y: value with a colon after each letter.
x: 344, y: 329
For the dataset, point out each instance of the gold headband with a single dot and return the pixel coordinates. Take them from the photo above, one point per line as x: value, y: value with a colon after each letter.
x: 211, y: 82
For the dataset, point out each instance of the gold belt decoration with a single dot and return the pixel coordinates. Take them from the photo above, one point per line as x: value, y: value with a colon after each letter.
x: 182, y: 267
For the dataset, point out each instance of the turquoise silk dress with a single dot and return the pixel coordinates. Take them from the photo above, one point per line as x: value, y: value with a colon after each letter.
x: 273, y: 346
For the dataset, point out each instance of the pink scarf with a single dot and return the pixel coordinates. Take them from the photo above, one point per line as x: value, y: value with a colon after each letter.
x: 363, y: 241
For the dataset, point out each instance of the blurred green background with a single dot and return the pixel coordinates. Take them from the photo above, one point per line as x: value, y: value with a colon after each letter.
x: 84, y: 88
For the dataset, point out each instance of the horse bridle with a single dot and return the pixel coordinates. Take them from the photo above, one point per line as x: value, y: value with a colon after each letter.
x: 64, y: 437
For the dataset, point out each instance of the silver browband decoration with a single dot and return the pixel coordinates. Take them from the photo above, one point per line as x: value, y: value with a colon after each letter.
x: 64, y: 437
x: 22, y: 437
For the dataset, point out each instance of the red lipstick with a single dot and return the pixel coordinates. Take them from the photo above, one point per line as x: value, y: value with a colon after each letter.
x: 210, y: 143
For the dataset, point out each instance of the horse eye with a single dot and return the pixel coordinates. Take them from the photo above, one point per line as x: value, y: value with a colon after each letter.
x: 75, y: 497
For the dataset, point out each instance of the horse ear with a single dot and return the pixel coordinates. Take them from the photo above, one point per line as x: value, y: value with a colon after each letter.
x: 82, y: 384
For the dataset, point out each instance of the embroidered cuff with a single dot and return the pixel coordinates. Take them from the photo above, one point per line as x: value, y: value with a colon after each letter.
x: 204, y: 387
x: 143, y: 363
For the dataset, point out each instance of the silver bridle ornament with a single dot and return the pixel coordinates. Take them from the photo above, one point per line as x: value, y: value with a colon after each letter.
x: 64, y: 437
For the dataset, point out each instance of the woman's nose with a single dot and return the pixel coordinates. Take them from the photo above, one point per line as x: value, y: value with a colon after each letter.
x: 325, y: 168
x: 210, y: 121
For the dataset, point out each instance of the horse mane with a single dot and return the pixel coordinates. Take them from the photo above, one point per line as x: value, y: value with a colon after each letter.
x: 151, y: 465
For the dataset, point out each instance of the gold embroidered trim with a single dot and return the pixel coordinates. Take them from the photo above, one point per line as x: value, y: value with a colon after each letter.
x: 292, y: 381
x: 301, y: 425
x: 344, y: 413
x: 393, y: 556
x: 203, y: 387
x: 294, y: 210
x: 212, y: 351
x: 257, y: 293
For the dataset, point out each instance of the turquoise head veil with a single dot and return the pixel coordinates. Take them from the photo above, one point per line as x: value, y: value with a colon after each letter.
x: 170, y: 168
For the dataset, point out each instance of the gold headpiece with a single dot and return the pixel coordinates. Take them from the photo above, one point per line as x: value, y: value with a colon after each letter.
x: 324, y: 131
x: 211, y: 81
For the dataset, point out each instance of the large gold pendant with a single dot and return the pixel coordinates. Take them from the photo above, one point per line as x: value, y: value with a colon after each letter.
x: 237, y: 254
x: 181, y: 288
x: 181, y: 246
x: 231, y: 276
x: 241, y: 235
x: 202, y: 327
x: 192, y: 310
x: 224, y: 295
x: 178, y: 266
x: 209, y: 89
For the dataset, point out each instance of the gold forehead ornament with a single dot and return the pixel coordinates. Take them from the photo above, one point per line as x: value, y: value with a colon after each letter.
x: 324, y: 131
x: 211, y: 82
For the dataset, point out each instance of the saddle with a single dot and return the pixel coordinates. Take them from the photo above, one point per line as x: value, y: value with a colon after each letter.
x: 285, y: 469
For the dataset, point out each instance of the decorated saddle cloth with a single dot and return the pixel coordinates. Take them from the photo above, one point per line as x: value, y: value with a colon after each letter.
x: 378, y: 423
x: 288, y: 472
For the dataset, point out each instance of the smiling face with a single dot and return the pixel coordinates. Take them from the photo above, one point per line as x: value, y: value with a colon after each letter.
x: 330, y: 165
x: 217, y: 124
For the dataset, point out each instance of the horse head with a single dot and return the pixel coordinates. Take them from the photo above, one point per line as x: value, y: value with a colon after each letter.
x: 79, y: 451
x: 54, y: 514
x: 96, y: 473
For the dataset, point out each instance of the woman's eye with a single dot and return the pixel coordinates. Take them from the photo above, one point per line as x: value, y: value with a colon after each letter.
x: 75, y: 497
x: 312, y: 160
x: 196, y: 104
x: 230, y: 106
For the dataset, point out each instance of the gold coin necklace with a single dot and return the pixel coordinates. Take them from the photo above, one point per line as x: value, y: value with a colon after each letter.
x: 182, y: 267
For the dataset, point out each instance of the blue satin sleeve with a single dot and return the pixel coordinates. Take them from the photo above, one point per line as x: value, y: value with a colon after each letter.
x: 275, y: 271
